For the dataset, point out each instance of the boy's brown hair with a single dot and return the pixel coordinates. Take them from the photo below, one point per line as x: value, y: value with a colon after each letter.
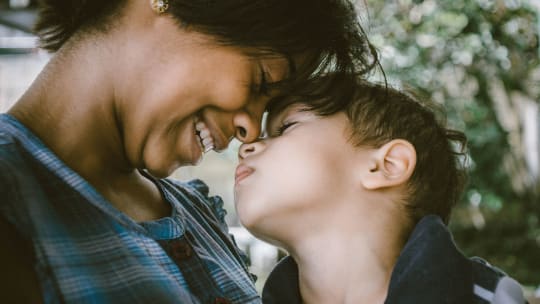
x: 379, y: 114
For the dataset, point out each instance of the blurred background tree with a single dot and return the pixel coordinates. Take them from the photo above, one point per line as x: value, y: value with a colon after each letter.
x: 480, y: 58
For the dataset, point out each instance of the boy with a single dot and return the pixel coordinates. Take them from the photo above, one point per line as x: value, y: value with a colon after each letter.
x: 359, y: 193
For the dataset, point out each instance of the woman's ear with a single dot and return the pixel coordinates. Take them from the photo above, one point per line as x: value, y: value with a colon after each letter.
x: 390, y: 165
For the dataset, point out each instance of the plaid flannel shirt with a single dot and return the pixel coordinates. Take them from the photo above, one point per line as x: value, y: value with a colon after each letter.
x: 86, y: 251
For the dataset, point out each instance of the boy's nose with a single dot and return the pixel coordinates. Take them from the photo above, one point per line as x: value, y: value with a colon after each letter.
x: 249, y: 149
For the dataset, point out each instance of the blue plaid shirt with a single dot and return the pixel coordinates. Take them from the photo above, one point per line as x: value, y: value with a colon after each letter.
x: 86, y: 251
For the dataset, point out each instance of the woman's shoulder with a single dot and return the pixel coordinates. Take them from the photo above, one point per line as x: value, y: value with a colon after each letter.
x: 15, y: 176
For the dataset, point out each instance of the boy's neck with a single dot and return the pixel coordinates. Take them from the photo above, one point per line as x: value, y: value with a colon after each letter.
x: 352, y: 263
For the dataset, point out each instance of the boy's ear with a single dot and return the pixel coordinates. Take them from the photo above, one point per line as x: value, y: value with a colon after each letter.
x: 390, y: 165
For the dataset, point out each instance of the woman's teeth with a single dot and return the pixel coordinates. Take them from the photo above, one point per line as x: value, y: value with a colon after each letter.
x: 205, y: 137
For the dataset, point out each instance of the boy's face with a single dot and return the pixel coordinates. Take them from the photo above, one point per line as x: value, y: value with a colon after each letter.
x: 295, y: 176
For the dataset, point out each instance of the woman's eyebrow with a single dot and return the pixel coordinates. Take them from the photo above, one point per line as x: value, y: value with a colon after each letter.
x: 277, y: 84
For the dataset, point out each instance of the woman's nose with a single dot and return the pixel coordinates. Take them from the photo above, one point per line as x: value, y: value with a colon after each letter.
x: 250, y: 149
x: 248, y: 121
x: 247, y: 127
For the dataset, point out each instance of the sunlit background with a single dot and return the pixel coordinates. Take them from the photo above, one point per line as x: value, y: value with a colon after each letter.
x: 480, y: 58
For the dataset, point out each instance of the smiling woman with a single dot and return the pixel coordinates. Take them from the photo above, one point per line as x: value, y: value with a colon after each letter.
x: 133, y: 91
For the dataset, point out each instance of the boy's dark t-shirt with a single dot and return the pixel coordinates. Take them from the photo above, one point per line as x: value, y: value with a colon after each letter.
x: 430, y: 269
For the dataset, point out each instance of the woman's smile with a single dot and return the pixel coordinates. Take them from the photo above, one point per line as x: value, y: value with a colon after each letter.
x: 205, y: 137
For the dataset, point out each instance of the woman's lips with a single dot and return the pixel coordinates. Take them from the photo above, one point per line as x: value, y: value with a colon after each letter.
x: 217, y: 141
x: 242, y: 172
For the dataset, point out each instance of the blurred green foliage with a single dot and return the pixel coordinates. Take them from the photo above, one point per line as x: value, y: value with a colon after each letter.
x: 475, y: 56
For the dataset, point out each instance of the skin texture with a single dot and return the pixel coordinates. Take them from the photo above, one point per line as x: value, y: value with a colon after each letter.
x: 335, y: 207
x: 111, y: 103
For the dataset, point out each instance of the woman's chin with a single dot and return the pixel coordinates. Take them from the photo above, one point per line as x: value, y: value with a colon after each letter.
x: 159, y: 173
x: 161, y: 170
x: 165, y: 169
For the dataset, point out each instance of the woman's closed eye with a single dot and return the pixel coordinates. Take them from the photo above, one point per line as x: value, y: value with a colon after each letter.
x: 263, y: 87
x: 266, y: 86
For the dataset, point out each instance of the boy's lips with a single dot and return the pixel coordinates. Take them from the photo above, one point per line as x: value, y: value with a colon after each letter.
x: 242, y: 172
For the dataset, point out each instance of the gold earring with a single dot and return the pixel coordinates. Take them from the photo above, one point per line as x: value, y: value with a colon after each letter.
x: 159, y: 6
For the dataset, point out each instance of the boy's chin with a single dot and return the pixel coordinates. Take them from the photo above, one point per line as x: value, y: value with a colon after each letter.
x: 264, y: 231
x: 268, y: 238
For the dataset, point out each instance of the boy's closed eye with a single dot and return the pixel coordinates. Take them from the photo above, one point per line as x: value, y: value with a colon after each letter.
x: 279, y: 123
x: 282, y: 128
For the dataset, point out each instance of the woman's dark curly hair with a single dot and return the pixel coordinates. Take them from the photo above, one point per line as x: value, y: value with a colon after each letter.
x: 325, y: 33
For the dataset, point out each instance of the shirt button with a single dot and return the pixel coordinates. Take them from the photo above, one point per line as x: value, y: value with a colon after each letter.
x: 222, y: 301
x: 181, y: 250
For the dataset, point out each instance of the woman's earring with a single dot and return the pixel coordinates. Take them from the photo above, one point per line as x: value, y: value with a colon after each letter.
x: 159, y: 6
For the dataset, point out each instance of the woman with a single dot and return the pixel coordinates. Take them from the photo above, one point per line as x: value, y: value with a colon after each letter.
x: 134, y: 91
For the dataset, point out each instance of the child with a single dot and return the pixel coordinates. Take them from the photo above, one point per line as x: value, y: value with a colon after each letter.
x: 359, y: 194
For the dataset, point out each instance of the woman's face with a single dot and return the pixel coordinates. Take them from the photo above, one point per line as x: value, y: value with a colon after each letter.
x: 184, y: 93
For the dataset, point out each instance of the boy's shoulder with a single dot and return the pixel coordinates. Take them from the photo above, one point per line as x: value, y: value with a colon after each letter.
x: 432, y: 268
x: 492, y: 285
